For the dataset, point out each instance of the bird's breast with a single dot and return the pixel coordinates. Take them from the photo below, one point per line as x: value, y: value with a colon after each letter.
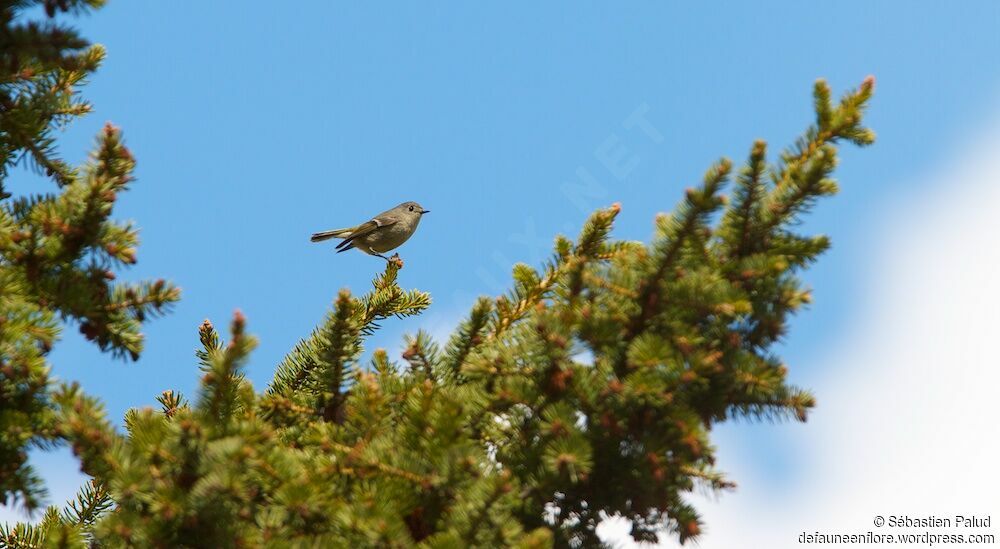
x: 387, y: 238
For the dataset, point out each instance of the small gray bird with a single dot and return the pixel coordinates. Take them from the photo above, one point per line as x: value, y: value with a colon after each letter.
x: 386, y: 231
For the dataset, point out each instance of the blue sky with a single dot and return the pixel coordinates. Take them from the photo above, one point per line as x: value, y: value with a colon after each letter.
x: 256, y: 126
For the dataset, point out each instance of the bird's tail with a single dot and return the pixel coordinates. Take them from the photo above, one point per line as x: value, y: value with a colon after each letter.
x: 326, y: 235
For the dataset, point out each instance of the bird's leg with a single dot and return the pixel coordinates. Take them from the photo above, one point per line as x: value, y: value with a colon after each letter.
x: 394, y: 259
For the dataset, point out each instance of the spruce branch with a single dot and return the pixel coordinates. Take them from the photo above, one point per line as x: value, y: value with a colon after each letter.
x: 801, y: 177
x: 219, y: 400
x: 467, y: 336
x: 340, y: 345
x: 64, y: 246
x: 21, y: 535
x: 92, y: 501
x: 82, y: 422
x: 673, y: 232
x: 172, y: 402
x: 740, y: 218
x: 38, y: 95
x: 531, y: 288
x: 422, y: 353
x: 335, y: 344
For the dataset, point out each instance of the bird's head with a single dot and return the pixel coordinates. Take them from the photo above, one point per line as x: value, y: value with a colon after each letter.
x: 413, y: 208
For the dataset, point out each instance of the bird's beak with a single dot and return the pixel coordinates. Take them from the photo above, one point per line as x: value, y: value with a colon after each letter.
x: 425, y: 211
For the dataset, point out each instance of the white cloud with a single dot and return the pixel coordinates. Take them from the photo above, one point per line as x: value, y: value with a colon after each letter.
x: 908, y: 414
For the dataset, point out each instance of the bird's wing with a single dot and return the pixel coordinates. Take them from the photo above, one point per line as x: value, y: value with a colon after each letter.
x: 365, y: 228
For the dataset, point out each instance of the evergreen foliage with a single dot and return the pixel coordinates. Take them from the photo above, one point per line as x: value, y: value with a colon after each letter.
x: 587, y: 391
x: 59, y: 251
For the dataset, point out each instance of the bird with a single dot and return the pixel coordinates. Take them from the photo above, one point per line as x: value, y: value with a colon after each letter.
x: 386, y: 231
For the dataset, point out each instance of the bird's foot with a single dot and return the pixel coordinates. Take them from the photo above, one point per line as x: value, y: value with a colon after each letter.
x: 395, y: 259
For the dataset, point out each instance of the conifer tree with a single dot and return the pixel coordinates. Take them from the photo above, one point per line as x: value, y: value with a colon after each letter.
x: 588, y: 390
x: 59, y: 249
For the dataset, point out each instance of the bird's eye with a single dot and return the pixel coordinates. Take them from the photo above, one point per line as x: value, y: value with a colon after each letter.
x: 411, y: 208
